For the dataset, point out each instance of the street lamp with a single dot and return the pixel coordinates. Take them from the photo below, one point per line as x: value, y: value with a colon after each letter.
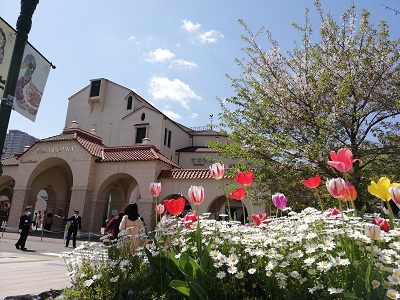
x: 24, y: 25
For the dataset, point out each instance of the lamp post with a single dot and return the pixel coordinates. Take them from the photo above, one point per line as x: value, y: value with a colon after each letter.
x: 24, y: 25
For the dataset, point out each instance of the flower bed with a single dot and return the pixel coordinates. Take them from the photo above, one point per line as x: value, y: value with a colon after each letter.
x: 312, y: 254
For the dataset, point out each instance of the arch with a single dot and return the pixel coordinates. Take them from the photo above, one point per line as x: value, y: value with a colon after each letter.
x: 114, y: 194
x: 52, y: 178
x: 219, y: 206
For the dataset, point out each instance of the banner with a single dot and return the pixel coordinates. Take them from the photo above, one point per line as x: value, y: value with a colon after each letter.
x: 7, y: 40
x: 35, y: 69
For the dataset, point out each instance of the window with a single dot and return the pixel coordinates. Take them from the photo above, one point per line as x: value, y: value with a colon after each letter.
x: 129, y: 104
x: 169, y: 138
x: 165, y: 136
x: 95, y: 88
x: 140, y: 134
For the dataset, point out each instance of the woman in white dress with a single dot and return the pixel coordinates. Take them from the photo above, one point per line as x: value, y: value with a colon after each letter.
x: 132, y: 224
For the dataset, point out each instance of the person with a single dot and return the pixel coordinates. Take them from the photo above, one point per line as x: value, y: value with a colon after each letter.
x: 132, y: 223
x: 113, y: 226
x: 39, y: 220
x: 48, y: 221
x: 34, y: 220
x: 74, y: 226
x: 25, y: 223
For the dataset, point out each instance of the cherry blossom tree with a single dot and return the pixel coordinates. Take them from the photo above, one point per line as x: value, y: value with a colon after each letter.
x: 338, y: 90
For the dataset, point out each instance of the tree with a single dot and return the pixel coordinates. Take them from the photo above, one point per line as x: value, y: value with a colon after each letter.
x: 291, y: 110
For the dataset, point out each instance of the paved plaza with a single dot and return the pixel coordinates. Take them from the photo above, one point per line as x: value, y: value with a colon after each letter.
x: 35, y: 270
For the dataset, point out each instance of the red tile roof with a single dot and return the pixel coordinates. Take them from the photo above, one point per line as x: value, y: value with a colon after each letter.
x: 93, y: 145
x: 185, y: 174
x: 10, y: 161
x: 135, y: 153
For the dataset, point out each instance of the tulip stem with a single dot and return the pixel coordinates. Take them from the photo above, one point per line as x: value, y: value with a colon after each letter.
x: 391, y: 216
x: 319, y: 199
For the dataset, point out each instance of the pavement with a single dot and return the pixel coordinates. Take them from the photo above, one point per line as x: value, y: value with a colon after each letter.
x: 35, y: 270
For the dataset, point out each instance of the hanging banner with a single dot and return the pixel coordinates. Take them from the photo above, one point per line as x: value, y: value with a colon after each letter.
x: 35, y: 69
x: 7, y: 40
x: 32, y: 79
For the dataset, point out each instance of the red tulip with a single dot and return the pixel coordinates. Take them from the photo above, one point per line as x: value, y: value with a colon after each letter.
x: 238, y: 194
x: 332, y: 212
x: 190, y: 218
x: 260, y: 219
x: 382, y: 223
x: 175, y: 206
x: 349, y: 193
x: 343, y: 160
x: 155, y: 189
x: 217, y: 171
x: 245, y: 178
x: 312, y: 182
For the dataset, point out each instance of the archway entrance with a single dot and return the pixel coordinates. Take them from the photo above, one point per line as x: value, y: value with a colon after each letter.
x: 220, y: 206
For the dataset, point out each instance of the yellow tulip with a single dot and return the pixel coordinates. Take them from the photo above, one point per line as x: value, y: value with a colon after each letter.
x: 381, y: 188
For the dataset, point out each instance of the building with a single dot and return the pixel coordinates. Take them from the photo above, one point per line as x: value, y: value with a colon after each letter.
x: 16, y: 142
x: 113, y: 146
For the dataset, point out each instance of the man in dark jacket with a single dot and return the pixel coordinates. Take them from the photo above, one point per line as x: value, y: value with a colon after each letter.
x: 25, y: 223
x: 73, y: 228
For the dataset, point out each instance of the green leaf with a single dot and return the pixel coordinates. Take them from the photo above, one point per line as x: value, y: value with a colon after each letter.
x: 180, y: 286
x: 198, y: 290
x: 359, y: 286
x: 188, y: 265
x: 350, y: 295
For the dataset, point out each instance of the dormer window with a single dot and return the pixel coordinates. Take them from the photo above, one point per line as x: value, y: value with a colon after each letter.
x: 129, y: 103
x: 95, y: 88
x: 141, y: 132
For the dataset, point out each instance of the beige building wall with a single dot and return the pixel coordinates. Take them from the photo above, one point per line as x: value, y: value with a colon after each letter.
x: 75, y: 178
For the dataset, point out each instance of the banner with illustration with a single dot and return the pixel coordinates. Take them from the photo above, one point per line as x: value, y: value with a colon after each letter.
x: 35, y: 69
x: 7, y: 40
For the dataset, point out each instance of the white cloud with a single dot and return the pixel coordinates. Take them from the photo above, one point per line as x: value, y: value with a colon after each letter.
x: 171, y: 115
x: 204, y: 37
x: 194, y: 115
x: 182, y: 64
x: 159, y: 55
x: 210, y: 37
x: 189, y: 26
x: 173, y: 90
x: 132, y: 38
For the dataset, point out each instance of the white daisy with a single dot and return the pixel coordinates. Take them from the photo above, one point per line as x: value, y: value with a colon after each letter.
x: 221, y: 274
x: 392, y: 294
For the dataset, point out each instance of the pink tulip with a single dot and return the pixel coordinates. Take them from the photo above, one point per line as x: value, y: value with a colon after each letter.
x: 160, y: 209
x: 373, y: 231
x: 336, y: 187
x: 343, y: 160
x: 196, y: 194
x: 217, y: 171
x: 260, y: 219
x: 394, y: 192
x: 279, y: 200
x: 155, y: 189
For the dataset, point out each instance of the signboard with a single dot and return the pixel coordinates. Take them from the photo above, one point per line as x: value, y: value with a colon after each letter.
x: 35, y: 69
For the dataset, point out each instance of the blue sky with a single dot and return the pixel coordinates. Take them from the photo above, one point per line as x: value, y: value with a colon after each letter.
x: 174, y: 54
